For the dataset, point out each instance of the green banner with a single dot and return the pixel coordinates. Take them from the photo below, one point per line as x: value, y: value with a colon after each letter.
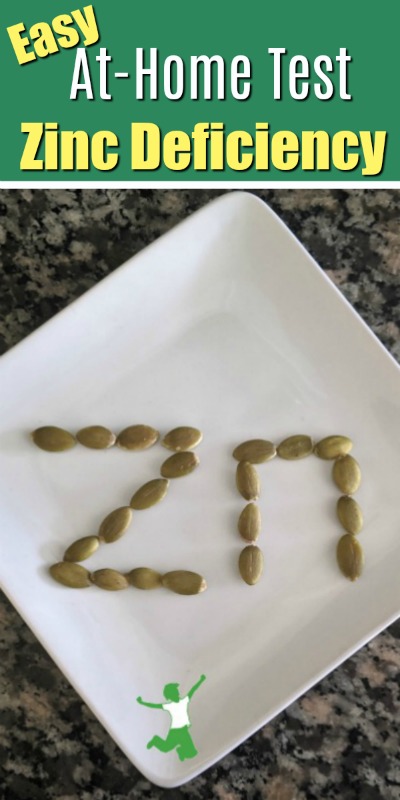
x: 221, y: 91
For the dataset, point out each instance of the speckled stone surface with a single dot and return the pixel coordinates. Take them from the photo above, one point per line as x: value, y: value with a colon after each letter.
x: 340, y: 741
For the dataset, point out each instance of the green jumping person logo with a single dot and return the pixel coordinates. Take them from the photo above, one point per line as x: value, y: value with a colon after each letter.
x: 179, y: 737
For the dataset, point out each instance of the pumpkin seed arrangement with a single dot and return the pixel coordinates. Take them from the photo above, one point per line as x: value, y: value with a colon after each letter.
x: 136, y: 437
x: 346, y: 474
x: 254, y: 451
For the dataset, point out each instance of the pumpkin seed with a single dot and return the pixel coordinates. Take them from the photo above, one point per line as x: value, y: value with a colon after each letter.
x: 247, y: 480
x: 53, y: 439
x: 349, y: 514
x: 115, y: 524
x: 96, y: 437
x: 350, y: 556
x: 137, y: 437
x: 82, y: 548
x: 179, y: 464
x: 249, y: 523
x: 109, y: 579
x: 183, y: 581
x: 347, y: 474
x: 295, y: 447
x: 72, y: 575
x: 333, y: 447
x: 144, y: 578
x: 149, y: 494
x: 256, y: 451
x: 183, y: 438
x: 251, y: 564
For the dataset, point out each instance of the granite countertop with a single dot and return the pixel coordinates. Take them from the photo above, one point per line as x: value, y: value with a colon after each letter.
x: 342, y: 738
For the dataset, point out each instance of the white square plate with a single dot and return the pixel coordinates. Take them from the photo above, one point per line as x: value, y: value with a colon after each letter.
x: 225, y: 323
